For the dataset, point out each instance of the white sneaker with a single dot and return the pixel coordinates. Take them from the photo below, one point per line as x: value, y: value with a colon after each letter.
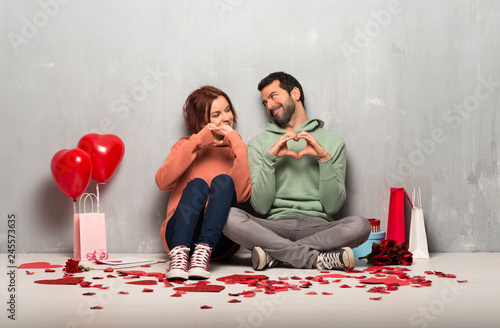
x: 178, y: 268
x: 262, y: 259
x: 342, y: 259
x: 198, y: 265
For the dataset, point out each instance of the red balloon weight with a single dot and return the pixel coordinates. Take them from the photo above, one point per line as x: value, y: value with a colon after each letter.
x: 71, y: 169
x: 106, y: 152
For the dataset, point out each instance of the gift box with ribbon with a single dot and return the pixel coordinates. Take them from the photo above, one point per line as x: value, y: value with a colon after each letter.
x: 375, y: 224
x: 366, y: 248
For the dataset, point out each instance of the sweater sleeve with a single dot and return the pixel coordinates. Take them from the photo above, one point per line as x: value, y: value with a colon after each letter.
x: 182, y: 154
x: 240, y: 172
x: 263, y: 178
x: 332, y: 193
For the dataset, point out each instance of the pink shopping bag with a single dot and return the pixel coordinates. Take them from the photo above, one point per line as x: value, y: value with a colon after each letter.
x: 89, y: 232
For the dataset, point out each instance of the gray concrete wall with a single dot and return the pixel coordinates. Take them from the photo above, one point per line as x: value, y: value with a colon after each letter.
x: 412, y: 86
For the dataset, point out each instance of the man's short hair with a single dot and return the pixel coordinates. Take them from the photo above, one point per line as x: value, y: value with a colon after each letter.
x: 287, y: 82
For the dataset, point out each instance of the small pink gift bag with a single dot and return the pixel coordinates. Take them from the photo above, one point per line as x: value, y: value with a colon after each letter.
x: 89, y: 229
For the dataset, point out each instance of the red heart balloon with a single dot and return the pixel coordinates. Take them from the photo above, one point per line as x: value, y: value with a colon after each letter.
x: 71, y: 169
x: 106, y: 152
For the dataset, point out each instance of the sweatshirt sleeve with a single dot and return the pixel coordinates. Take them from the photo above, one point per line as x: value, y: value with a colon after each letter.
x: 332, y: 193
x: 182, y: 154
x: 240, y: 172
x: 263, y: 178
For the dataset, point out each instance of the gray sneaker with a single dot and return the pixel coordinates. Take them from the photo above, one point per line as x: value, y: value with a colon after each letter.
x: 262, y: 259
x: 342, y: 259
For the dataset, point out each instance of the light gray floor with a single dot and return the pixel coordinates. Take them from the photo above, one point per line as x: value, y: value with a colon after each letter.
x: 446, y: 303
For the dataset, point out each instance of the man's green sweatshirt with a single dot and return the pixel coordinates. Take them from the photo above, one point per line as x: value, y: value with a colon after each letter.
x: 289, y: 187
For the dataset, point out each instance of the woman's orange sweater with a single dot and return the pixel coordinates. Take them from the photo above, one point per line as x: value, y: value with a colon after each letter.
x: 198, y: 157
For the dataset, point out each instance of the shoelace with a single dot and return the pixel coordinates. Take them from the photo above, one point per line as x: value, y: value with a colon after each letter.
x: 271, y: 261
x: 331, y: 260
x: 179, y: 258
x: 201, y: 256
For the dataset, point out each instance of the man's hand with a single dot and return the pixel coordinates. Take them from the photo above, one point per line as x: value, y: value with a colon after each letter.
x: 313, y: 147
x: 280, y: 149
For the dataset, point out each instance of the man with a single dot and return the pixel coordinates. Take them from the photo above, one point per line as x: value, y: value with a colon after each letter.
x: 298, y: 182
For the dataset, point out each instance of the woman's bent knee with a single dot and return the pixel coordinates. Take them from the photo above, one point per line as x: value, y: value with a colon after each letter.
x: 222, y: 181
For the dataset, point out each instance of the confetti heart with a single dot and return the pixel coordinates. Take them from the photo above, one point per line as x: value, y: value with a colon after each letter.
x: 142, y: 282
x: 133, y: 272
x: 241, y: 278
x: 61, y: 281
x: 39, y: 265
x: 201, y: 288
x: 389, y: 280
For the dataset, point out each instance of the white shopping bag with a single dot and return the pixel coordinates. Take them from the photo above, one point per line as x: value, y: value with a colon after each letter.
x: 418, y: 236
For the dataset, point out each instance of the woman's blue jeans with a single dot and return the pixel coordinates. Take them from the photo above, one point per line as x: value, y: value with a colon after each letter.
x: 201, y: 214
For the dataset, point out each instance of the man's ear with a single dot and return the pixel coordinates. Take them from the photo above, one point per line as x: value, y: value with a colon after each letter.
x: 295, y: 94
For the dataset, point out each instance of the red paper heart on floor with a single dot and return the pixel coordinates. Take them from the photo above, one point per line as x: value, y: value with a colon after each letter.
x: 133, y: 272
x: 241, y: 278
x: 201, y: 288
x: 61, y: 281
x: 331, y: 275
x: 388, y: 281
x: 39, y: 265
x: 155, y: 274
x: 142, y: 282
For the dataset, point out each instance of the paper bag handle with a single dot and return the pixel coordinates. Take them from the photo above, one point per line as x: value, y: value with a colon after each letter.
x: 406, y: 196
x: 86, y: 196
x: 417, y: 198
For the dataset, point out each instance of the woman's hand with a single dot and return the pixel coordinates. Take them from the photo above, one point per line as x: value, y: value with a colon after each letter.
x: 219, y: 132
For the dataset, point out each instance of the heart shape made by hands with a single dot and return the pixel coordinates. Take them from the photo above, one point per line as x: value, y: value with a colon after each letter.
x: 294, y: 144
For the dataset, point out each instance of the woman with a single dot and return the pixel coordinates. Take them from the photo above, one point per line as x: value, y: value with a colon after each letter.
x: 208, y: 173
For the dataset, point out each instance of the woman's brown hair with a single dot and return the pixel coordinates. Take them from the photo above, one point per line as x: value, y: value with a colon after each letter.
x: 196, y: 110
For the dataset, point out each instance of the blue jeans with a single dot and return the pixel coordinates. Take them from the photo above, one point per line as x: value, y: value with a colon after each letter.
x: 201, y: 214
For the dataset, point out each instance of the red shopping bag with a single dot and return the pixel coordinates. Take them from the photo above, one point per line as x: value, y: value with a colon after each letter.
x: 396, y: 223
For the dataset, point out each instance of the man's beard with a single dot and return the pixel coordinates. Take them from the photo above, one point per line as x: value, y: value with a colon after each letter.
x: 286, y: 114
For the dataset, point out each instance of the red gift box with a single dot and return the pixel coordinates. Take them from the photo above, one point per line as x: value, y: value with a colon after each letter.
x: 375, y: 224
